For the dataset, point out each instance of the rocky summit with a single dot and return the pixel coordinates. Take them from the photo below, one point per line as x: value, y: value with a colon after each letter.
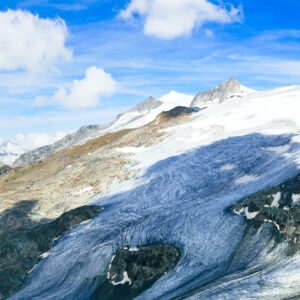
x: 228, y: 89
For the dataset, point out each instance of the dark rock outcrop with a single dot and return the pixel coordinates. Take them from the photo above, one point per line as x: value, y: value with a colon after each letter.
x: 4, y: 169
x: 132, y: 271
x: 179, y: 111
x: 22, y: 247
x: 279, y: 205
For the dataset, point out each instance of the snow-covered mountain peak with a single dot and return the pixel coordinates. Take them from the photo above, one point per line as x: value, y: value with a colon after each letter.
x: 143, y: 113
x: 176, y: 99
x: 228, y: 89
x: 10, y: 151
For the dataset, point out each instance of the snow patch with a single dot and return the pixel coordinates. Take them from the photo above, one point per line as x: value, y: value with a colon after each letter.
x: 133, y: 249
x: 227, y: 167
x: 296, y: 198
x: 250, y: 215
x: 44, y: 255
x: 246, y: 179
x: 239, y: 212
x: 109, y: 267
x: 125, y: 279
x: 280, y: 149
x: 270, y: 221
x: 32, y: 269
x: 83, y: 190
x: 275, y: 202
x: 177, y: 99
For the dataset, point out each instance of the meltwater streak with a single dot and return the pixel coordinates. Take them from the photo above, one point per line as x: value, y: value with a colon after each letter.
x: 183, y: 203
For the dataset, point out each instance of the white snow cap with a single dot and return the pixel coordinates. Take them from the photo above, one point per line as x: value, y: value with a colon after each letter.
x: 177, y: 99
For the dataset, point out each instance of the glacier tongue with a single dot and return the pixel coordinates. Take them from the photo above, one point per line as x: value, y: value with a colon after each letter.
x: 182, y: 201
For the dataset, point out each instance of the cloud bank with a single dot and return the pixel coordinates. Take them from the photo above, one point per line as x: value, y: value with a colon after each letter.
x: 30, y: 42
x: 83, y: 93
x: 168, y: 19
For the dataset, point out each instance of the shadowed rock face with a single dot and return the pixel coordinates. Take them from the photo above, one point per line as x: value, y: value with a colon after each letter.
x: 179, y: 111
x: 4, y: 169
x: 134, y: 270
x: 22, y: 246
x: 279, y: 205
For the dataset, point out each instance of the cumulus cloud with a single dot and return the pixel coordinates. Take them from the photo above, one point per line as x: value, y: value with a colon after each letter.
x: 83, y: 93
x: 168, y: 19
x: 30, y: 42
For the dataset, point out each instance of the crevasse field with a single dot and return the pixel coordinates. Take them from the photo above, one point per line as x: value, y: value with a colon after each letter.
x: 181, y: 197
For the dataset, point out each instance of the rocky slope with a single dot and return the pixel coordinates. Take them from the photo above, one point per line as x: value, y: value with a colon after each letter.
x: 279, y: 205
x: 22, y: 246
x: 75, y: 175
x: 143, y: 113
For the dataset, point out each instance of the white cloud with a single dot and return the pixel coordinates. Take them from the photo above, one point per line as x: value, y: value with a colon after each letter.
x: 35, y: 140
x: 11, y: 149
x: 30, y: 42
x: 168, y: 19
x: 209, y: 33
x: 83, y: 93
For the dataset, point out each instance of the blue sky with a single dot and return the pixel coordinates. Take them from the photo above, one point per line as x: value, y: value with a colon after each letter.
x: 256, y: 42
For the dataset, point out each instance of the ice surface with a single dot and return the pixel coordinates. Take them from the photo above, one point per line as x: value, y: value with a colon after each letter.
x: 183, y: 201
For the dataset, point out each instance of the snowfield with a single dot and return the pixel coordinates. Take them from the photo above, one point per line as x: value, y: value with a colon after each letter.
x: 181, y: 197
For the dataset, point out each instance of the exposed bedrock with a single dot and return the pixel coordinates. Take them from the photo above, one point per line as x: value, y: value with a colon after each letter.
x: 179, y: 111
x: 279, y: 205
x: 4, y: 169
x: 134, y: 270
x: 22, y: 246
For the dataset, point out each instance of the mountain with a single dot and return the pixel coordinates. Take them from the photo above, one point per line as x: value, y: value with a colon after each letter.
x: 228, y: 89
x: 140, y: 115
x: 196, y: 204
x: 9, y: 152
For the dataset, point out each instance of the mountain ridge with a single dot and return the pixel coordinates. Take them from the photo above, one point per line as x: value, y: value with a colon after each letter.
x: 143, y: 113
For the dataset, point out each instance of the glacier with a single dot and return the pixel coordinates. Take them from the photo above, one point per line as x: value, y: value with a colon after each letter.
x: 183, y: 201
